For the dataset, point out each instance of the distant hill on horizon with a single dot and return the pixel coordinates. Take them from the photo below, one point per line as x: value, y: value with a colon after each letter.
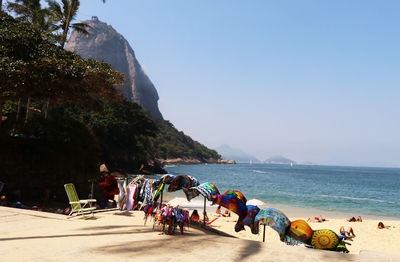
x: 236, y: 154
x: 279, y: 160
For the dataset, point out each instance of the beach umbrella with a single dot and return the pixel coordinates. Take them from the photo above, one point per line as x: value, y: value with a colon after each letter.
x: 274, y: 218
x: 207, y: 190
x: 234, y: 201
x: 182, y: 181
x: 249, y: 220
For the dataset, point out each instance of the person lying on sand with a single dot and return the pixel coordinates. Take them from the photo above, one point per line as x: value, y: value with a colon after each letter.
x: 382, y: 226
x: 349, y: 234
x: 353, y: 219
x: 316, y: 219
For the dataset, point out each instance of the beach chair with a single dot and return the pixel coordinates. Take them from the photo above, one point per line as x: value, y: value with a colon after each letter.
x: 80, y: 207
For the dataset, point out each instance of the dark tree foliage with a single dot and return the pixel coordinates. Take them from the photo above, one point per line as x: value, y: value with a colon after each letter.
x: 123, y: 131
x: 47, y: 154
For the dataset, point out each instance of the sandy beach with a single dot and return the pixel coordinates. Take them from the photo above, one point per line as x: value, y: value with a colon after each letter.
x: 28, y: 235
x: 368, y: 236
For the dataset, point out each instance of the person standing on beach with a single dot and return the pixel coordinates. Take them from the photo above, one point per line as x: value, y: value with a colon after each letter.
x: 218, y: 211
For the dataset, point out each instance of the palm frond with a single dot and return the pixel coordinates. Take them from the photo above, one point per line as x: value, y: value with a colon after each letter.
x: 81, y: 28
x: 74, y: 9
x: 66, y: 6
x: 55, y: 8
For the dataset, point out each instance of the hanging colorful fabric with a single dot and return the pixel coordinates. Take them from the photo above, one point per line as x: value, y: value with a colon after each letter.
x: 300, y: 230
x: 234, y: 201
x: 130, y: 202
x: 249, y: 220
x: 122, y: 194
x: 182, y: 181
x: 207, y: 190
x: 275, y: 219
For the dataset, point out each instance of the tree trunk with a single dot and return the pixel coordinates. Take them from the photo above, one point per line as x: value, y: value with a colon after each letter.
x: 72, y: 3
x: 46, y: 114
x: 18, y: 110
x: 1, y: 4
x: 28, y: 105
x: 1, y: 112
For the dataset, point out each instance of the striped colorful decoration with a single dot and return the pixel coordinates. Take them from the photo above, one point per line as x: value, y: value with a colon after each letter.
x: 324, y: 239
x: 234, y: 201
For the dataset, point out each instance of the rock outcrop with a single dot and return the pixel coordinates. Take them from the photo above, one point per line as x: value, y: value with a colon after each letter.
x: 104, y: 43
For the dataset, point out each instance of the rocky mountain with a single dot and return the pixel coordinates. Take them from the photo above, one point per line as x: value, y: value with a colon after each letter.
x: 279, y: 160
x: 105, y: 43
x: 236, y: 154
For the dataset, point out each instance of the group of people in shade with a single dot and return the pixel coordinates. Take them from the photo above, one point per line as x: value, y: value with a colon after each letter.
x: 349, y: 233
x: 195, y: 217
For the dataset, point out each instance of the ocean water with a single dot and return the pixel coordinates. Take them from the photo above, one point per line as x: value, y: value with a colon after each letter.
x: 353, y: 190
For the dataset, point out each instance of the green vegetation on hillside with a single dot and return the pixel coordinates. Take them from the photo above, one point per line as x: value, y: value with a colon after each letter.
x: 171, y: 143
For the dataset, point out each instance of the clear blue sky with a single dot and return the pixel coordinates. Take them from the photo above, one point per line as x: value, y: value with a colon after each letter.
x: 310, y: 80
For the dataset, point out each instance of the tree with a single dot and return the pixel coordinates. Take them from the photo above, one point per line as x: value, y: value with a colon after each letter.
x: 64, y: 15
x: 32, y: 66
x: 123, y: 131
x: 32, y: 12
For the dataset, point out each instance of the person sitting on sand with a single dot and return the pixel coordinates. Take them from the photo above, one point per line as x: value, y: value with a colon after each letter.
x: 353, y: 219
x: 4, y: 201
x: 349, y: 234
x: 195, y: 216
x: 316, y: 219
x: 227, y: 213
x: 382, y: 226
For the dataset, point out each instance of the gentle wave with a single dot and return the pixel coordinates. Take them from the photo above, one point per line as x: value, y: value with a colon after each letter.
x: 360, y: 199
x: 259, y: 171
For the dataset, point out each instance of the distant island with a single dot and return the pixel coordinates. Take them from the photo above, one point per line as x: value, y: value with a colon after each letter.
x: 236, y: 154
x: 279, y: 160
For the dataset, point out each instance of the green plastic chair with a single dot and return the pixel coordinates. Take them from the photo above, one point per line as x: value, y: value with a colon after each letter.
x: 80, y: 207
